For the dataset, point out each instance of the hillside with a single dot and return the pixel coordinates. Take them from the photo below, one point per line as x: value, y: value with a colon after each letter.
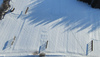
x: 67, y: 25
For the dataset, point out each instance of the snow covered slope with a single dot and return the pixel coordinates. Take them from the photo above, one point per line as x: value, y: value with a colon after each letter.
x: 67, y: 25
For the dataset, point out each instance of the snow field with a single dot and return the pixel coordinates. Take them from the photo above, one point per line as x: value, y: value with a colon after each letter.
x: 67, y: 29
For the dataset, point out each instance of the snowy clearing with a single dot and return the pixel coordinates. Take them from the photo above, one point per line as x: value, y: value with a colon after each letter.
x: 67, y: 25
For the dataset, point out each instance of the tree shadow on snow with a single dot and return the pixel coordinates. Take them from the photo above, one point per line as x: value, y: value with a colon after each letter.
x: 74, y: 14
x: 7, y: 44
x: 1, y: 1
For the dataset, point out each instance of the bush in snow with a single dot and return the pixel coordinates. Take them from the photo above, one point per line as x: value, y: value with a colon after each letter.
x: 4, y: 8
x: 41, y: 54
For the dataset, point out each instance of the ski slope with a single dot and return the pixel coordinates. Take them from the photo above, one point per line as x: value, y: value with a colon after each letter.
x: 67, y: 25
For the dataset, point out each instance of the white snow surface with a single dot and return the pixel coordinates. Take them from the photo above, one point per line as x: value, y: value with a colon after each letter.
x: 67, y: 25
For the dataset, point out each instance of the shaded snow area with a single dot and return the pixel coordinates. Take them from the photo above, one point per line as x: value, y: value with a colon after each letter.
x: 1, y: 1
x: 58, y: 28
